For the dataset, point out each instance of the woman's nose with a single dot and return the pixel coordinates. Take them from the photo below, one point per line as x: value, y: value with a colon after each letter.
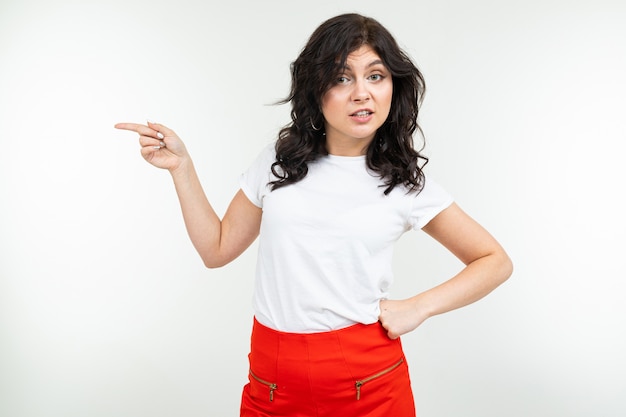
x: 360, y: 92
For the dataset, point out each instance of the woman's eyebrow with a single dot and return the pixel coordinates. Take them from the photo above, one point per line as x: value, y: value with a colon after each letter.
x: 371, y: 64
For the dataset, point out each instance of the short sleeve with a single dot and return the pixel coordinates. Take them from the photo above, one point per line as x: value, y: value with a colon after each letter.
x: 432, y: 200
x: 254, y: 181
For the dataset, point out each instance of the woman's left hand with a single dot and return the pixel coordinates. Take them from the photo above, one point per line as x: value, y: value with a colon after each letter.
x: 399, y: 317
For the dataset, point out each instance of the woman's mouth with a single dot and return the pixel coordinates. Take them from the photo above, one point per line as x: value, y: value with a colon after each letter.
x: 362, y: 113
x: 362, y: 116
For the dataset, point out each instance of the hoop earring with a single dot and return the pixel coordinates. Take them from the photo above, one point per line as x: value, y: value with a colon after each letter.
x: 312, y: 125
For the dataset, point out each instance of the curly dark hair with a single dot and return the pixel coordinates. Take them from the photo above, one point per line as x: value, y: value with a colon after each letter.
x: 391, y: 154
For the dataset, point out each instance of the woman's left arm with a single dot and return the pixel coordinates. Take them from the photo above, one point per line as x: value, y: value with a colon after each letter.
x: 486, y: 266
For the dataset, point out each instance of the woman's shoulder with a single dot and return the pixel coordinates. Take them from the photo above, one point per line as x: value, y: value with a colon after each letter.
x: 266, y: 155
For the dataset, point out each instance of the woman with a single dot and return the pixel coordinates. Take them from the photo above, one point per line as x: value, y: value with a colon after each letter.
x: 341, y: 184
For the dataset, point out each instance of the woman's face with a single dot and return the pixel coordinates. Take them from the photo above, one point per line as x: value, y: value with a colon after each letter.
x: 357, y: 104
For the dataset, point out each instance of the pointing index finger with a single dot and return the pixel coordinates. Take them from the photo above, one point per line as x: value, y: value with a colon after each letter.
x: 134, y: 127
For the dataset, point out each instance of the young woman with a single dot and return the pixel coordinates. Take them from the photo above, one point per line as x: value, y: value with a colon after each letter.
x: 328, y: 200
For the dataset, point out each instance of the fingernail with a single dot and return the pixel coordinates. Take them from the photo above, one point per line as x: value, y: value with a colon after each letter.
x: 162, y: 144
x: 160, y: 135
x: 156, y: 147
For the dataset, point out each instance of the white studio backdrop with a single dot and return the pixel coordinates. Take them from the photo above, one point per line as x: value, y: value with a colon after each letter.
x: 106, y: 310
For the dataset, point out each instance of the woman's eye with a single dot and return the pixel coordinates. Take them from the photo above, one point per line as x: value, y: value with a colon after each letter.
x: 342, y: 80
x: 376, y: 77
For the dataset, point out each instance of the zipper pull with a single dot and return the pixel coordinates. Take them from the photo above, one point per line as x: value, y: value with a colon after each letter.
x: 358, y: 385
x: 272, y: 388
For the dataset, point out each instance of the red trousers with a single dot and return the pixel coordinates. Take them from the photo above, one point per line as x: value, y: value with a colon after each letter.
x: 353, y: 372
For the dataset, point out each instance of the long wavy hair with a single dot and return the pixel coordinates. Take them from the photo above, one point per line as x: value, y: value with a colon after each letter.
x: 391, y: 154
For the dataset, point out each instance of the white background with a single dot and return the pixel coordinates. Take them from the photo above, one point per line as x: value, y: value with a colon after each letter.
x: 105, y: 308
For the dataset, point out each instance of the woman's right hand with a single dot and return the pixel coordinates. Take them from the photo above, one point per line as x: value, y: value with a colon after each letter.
x: 160, y: 146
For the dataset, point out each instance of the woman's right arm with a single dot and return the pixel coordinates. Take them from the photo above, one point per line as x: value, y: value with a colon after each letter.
x: 217, y: 241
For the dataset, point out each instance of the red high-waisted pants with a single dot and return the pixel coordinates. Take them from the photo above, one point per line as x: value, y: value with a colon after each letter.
x: 353, y: 372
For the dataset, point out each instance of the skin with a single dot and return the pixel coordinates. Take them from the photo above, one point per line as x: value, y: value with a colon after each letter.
x: 218, y: 241
x: 365, y: 84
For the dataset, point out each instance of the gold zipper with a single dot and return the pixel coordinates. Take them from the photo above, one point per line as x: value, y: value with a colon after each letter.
x: 360, y: 383
x: 270, y: 385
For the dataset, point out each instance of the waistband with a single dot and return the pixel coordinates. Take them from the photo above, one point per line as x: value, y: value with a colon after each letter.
x: 361, y: 346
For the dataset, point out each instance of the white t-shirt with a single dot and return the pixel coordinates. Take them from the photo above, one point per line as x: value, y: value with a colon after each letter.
x: 326, y: 242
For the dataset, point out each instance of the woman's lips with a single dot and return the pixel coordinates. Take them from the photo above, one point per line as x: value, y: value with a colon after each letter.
x: 362, y: 115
